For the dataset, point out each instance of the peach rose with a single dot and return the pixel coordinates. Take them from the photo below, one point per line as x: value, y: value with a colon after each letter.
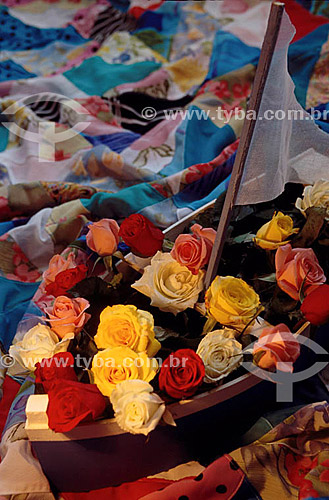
x: 67, y: 315
x: 103, y: 237
x: 276, y: 348
x: 193, y: 250
x: 297, y: 267
x: 57, y: 264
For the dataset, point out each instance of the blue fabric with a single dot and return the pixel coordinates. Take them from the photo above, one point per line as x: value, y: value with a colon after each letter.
x: 209, y: 138
x: 4, y: 136
x: 323, y: 125
x: 230, y: 53
x: 323, y: 121
x: 15, y: 35
x: 122, y: 5
x: 151, y: 19
x: 176, y: 165
x: 94, y: 76
x: 14, y: 299
x: 9, y: 70
x: 213, y: 195
x: 207, y: 188
x: 302, y: 57
x: 165, y: 18
x: 157, y: 28
x: 324, y: 109
x: 6, y: 226
x: 117, y: 142
x: 17, y: 412
x: 126, y: 202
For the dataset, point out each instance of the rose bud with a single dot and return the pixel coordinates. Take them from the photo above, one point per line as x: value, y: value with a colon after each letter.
x: 103, y: 237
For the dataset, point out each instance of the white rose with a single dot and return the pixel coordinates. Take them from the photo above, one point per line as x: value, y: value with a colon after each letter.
x: 220, y: 353
x: 137, y: 408
x: 38, y: 343
x: 315, y: 196
x: 170, y: 286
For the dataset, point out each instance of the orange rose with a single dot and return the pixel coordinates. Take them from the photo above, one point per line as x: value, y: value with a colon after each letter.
x: 276, y: 348
x: 103, y: 237
x: 67, y: 315
x: 57, y: 264
x: 193, y: 250
x: 297, y: 267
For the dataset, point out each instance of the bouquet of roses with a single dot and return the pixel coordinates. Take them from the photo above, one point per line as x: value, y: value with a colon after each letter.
x: 134, y: 365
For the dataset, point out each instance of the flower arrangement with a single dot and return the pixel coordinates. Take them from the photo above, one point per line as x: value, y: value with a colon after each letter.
x: 143, y: 343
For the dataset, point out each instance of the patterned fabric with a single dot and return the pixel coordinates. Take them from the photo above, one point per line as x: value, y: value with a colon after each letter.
x: 291, y: 461
x: 155, y: 85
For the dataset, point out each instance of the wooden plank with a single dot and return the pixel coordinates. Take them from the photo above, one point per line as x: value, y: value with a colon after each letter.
x: 263, y: 67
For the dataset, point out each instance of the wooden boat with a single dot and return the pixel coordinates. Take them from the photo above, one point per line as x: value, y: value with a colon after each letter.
x: 99, y: 454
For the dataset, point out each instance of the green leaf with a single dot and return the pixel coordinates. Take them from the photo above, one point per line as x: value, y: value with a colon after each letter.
x: 270, y: 278
x: 167, y: 245
x: 244, y: 238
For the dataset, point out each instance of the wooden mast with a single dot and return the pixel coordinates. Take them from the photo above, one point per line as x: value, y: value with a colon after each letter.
x: 271, y: 36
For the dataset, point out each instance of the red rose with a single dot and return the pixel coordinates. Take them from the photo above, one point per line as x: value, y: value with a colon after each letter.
x: 66, y: 280
x: 315, y: 306
x: 141, y: 235
x: 60, y: 366
x: 181, y: 374
x: 71, y: 403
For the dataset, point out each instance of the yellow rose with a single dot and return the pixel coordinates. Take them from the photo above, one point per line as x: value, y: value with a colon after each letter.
x: 127, y: 326
x: 170, y: 286
x: 232, y: 302
x: 112, y: 366
x: 274, y: 233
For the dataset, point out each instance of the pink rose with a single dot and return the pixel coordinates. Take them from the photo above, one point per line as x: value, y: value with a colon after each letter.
x: 193, y: 250
x: 67, y: 315
x: 276, y: 348
x: 57, y: 264
x: 103, y: 237
x: 297, y: 267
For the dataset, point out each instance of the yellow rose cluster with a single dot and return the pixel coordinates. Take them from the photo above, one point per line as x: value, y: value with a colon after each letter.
x: 274, y: 233
x: 126, y: 336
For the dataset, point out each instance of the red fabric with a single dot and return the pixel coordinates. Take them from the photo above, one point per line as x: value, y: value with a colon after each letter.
x: 138, y: 11
x: 303, y: 20
x: 131, y: 491
x: 10, y: 389
x: 219, y: 481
